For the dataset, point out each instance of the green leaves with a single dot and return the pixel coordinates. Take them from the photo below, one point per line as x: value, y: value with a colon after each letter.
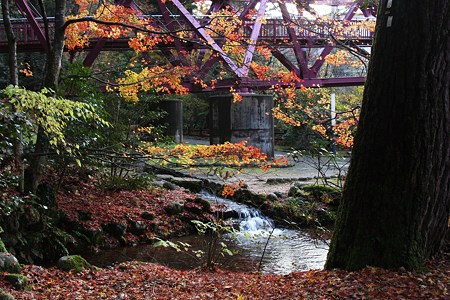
x: 51, y: 113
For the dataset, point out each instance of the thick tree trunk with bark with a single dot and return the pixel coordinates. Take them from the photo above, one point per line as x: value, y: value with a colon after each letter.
x: 396, y: 199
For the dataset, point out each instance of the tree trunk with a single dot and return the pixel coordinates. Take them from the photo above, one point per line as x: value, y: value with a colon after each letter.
x: 52, y: 70
x: 12, y: 44
x: 14, y: 80
x: 396, y: 199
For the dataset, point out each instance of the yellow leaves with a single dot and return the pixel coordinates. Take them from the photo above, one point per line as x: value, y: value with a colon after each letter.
x: 159, y: 79
x: 236, y: 96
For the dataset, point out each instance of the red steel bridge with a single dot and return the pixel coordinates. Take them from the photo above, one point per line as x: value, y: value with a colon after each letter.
x: 290, y: 37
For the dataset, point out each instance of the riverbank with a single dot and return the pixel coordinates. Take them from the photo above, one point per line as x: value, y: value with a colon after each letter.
x: 129, y: 211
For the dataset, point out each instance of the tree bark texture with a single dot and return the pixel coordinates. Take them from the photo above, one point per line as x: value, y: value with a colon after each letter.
x: 12, y: 44
x: 14, y: 80
x: 395, y: 205
x: 51, y: 76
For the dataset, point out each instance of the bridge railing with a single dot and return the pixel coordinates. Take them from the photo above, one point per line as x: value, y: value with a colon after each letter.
x: 272, y: 29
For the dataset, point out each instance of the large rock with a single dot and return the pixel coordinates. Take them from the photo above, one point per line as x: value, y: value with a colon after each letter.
x: 193, y: 184
x: 9, y: 263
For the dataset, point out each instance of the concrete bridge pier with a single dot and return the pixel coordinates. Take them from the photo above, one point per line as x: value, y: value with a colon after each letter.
x: 173, y: 119
x: 249, y: 119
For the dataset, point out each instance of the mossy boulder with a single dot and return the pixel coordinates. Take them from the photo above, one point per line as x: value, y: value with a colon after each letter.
x: 9, y: 263
x: 18, y: 281
x: 73, y: 263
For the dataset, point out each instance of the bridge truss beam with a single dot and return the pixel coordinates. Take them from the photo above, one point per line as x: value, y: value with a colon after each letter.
x: 307, y: 70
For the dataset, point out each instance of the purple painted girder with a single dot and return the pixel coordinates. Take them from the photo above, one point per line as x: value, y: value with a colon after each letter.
x: 247, y: 84
x: 327, y: 50
x: 303, y: 71
x: 26, y: 11
x: 248, y: 58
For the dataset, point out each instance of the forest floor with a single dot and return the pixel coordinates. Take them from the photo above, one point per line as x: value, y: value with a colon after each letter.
x: 136, y: 280
x: 140, y: 280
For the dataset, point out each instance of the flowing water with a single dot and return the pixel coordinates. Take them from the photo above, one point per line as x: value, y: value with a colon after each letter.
x: 285, y: 250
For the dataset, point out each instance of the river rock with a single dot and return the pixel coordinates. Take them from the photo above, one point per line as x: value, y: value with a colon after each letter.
x: 115, y: 229
x: 170, y: 186
x: 148, y: 216
x: 9, y: 263
x: 32, y: 219
x: 293, y: 191
x: 324, y: 217
x: 272, y: 197
x: 193, y: 184
x: 137, y: 227
x: 174, y: 208
x: 206, y: 205
x: 230, y: 214
x: 6, y: 296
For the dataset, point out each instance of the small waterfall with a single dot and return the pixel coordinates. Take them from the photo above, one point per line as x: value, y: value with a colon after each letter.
x: 287, y: 251
x: 249, y: 219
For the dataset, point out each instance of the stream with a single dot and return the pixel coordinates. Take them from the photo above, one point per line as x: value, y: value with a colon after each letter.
x: 286, y: 251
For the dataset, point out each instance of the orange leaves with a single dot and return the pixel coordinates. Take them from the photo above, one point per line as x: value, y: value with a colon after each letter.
x: 262, y: 72
x: 145, y: 42
x: 344, y: 132
x: 79, y: 33
x: 236, y: 96
x: 227, y: 154
x: 338, y: 59
x: 229, y: 189
x: 25, y: 69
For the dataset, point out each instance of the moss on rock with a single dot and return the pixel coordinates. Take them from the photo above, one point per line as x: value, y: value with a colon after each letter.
x: 323, y: 193
x: 6, y: 296
x: 73, y: 263
x: 18, y: 281
x: 2, y: 247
